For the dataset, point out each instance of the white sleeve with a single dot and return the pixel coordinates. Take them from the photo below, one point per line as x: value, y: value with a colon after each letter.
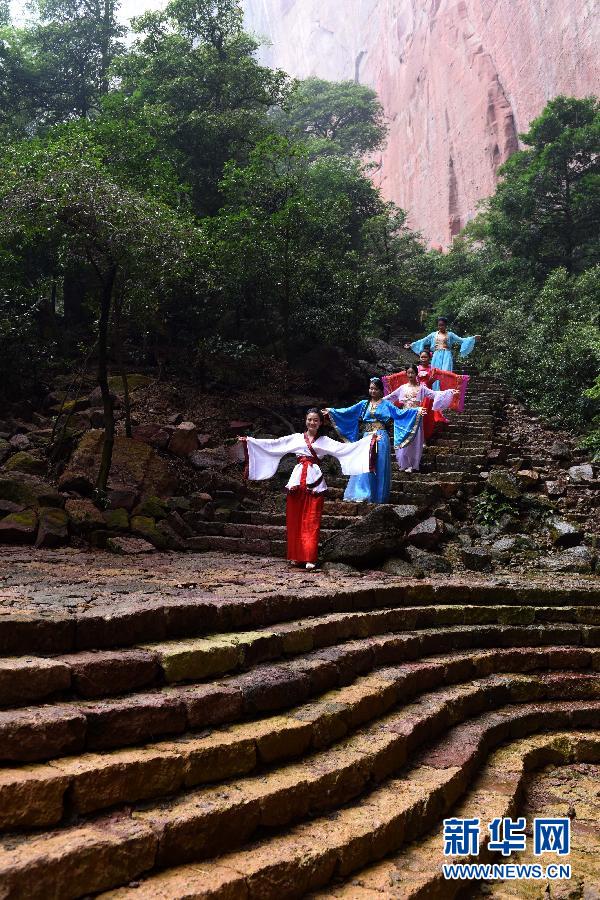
x: 441, y: 399
x: 355, y: 457
x: 396, y: 396
x: 264, y: 455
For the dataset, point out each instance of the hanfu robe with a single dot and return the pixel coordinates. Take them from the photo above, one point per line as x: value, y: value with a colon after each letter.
x: 409, y: 455
x: 430, y: 376
x: 374, y: 487
x: 441, y: 346
x: 306, y: 487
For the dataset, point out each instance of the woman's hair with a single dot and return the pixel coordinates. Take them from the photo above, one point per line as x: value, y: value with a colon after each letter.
x: 442, y: 319
x: 314, y: 409
x: 377, y: 382
x: 413, y: 367
x: 425, y: 350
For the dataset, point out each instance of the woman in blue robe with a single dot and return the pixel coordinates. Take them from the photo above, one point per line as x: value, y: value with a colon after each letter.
x: 374, y: 415
x: 440, y: 343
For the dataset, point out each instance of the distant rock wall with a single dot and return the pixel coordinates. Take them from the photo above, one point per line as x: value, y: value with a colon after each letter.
x: 459, y: 79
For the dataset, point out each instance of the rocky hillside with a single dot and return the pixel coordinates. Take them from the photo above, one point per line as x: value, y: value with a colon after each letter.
x: 458, y: 79
x: 498, y: 490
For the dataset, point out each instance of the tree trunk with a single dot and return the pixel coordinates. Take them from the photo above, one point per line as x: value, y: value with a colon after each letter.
x: 107, y: 401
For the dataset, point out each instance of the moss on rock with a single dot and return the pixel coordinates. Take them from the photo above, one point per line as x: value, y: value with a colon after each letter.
x: 19, y: 527
x: 25, y: 462
x: 145, y: 526
x: 153, y: 507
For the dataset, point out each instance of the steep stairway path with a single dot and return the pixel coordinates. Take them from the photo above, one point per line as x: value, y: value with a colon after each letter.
x: 450, y: 468
x: 291, y: 747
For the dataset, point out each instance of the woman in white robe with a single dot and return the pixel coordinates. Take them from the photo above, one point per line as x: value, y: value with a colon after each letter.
x: 306, y: 487
x: 411, y: 395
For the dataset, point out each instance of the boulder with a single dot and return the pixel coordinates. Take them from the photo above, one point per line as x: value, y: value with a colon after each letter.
x: 180, y: 504
x: 84, y: 515
x: 340, y: 569
x: 20, y: 442
x: 199, y: 499
x: 384, y: 355
x: 555, y: 488
x: 505, y: 483
x: 184, y: 440
x: 577, y: 559
x: 528, y: 478
x: 564, y: 534
x: 427, y: 534
x: 376, y: 536
x: 174, y: 541
x: 135, y: 381
x: 145, y: 527
x: 24, y: 491
x: 95, y: 398
x: 428, y: 563
x: 128, y: 546
x: 53, y: 528
x: 511, y: 544
x: 407, y: 513
x: 96, y: 418
x: 476, y: 558
x: 219, y: 460
x: 560, y: 450
x: 25, y: 462
x: 581, y: 473
x: 152, y: 507
x: 19, y: 527
x: 122, y: 495
x: 116, y: 519
x: 400, y: 567
x: 154, y: 435
x: 136, y: 470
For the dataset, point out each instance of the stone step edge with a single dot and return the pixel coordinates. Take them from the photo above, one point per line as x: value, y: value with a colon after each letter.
x: 495, y: 793
x: 35, y: 734
x: 99, y: 674
x: 106, y: 627
x: 40, y: 795
x: 309, y: 855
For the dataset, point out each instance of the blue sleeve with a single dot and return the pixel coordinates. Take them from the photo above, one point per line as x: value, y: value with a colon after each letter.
x: 466, y: 344
x: 406, y: 422
x: 346, y: 420
x: 424, y: 344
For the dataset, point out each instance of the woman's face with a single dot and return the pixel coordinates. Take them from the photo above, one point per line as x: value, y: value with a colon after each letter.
x: 424, y: 358
x: 412, y: 376
x: 442, y: 326
x: 375, y: 392
x: 312, y: 423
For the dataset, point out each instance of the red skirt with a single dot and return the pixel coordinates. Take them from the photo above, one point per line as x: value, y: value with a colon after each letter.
x: 304, y: 511
x: 432, y: 419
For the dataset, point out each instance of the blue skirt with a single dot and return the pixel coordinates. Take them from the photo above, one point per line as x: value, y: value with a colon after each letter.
x: 373, y: 487
x: 441, y: 359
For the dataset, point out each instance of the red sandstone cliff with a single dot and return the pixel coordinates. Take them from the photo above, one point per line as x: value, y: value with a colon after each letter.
x: 458, y: 79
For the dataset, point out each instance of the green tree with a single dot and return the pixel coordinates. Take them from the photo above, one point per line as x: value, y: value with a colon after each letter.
x: 546, y: 209
x: 135, y: 250
x: 337, y: 117
x: 194, y: 72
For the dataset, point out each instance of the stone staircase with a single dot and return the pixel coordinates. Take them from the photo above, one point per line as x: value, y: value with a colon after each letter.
x: 449, y: 469
x: 273, y: 746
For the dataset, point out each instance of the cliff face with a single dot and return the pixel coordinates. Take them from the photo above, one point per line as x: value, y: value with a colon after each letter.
x: 458, y: 80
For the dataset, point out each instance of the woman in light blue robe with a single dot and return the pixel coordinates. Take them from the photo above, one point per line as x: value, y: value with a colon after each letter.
x: 374, y: 415
x: 440, y: 343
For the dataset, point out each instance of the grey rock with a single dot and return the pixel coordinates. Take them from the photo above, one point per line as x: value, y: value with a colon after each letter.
x: 576, y: 559
x: 376, y: 536
x: 20, y: 442
x: 560, y: 450
x: 427, y: 534
x: 564, y: 534
x: 476, y: 558
x: 505, y: 483
x: 429, y: 563
x: 407, y: 513
x: 334, y: 568
x: 398, y: 566
x: 581, y: 473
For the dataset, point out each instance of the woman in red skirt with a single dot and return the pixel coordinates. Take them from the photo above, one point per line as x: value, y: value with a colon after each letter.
x: 306, y: 488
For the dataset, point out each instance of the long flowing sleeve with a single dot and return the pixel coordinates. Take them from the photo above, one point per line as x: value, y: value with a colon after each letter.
x: 395, y: 397
x: 466, y: 344
x: 355, y: 458
x: 406, y: 422
x: 450, y: 380
x: 393, y: 382
x: 426, y: 343
x: 346, y: 420
x: 441, y: 399
x: 263, y: 456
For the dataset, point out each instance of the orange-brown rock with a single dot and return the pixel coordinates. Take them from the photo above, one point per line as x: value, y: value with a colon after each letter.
x: 458, y: 79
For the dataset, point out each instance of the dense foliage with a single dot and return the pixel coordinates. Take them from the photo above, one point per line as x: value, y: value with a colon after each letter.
x: 526, y: 271
x: 165, y: 198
